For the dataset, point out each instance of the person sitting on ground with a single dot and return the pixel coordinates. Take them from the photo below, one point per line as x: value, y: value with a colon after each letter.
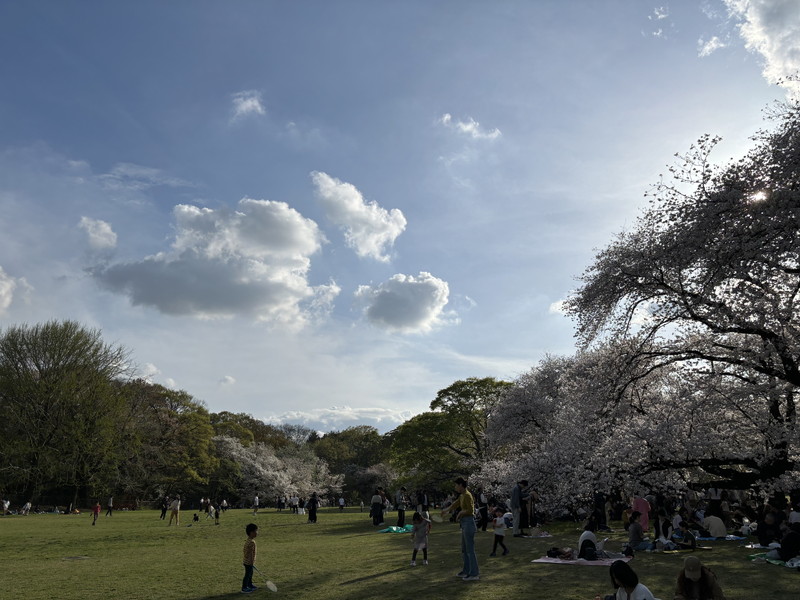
x: 790, y: 545
x: 768, y: 530
x: 715, y: 526
x: 626, y: 517
x: 636, y: 539
x: 696, y: 582
x: 588, y: 546
x: 625, y: 580
x: 680, y: 515
x: 689, y: 541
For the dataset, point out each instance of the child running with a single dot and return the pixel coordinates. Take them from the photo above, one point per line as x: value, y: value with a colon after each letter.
x: 95, y: 512
x: 420, y: 536
x: 249, y: 558
x: 499, y: 524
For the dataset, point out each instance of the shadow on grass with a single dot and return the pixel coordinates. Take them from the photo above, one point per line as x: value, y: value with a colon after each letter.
x: 373, y: 576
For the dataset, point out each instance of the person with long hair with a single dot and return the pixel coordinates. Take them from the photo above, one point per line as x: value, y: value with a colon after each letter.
x: 627, y: 583
x: 696, y: 582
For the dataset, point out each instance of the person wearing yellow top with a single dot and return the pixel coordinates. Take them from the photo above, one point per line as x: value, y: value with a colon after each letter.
x: 465, y: 505
x: 249, y: 558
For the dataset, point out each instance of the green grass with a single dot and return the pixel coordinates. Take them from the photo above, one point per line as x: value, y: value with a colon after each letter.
x: 134, y: 555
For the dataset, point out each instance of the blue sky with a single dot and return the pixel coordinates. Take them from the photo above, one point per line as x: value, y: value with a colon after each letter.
x: 324, y: 212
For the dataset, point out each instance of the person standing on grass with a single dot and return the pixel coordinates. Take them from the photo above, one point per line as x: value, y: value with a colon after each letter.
x: 401, y: 501
x: 164, y: 507
x: 518, y: 501
x: 175, y: 511
x: 255, y: 505
x: 465, y: 505
x: 249, y: 559
x: 419, y: 534
x: 312, y: 505
x: 110, y: 510
x: 376, y: 509
x: 95, y: 512
x: 499, y: 525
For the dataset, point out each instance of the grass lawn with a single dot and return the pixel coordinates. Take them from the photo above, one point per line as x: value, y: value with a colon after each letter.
x: 134, y: 555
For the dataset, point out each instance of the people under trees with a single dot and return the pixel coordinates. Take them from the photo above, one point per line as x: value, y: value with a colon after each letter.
x: 688, y: 322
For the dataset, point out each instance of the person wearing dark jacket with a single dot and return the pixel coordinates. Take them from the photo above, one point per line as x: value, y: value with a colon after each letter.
x: 768, y: 530
x: 696, y: 582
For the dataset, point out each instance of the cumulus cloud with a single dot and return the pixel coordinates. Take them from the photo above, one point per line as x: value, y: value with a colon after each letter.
x: 246, y: 103
x: 368, y: 229
x: 706, y: 48
x: 470, y: 127
x: 772, y: 29
x: 337, y: 418
x: 252, y: 262
x: 101, y: 236
x: 558, y: 308
x: 406, y: 303
x: 227, y: 380
x: 7, y: 286
x: 150, y: 371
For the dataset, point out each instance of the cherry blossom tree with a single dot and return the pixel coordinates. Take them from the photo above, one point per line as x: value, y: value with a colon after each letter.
x: 689, y: 363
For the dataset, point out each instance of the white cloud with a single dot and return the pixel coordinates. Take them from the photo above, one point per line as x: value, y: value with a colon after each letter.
x: 101, y: 236
x: 557, y: 308
x: 337, y: 418
x: 150, y: 371
x: 129, y: 176
x: 227, y: 380
x: 706, y: 48
x: 368, y: 229
x: 7, y: 286
x: 251, y: 262
x: 469, y: 127
x: 771, y: 28
x: 246, y: 103
x: 659, y: 13
x: 406, y: 303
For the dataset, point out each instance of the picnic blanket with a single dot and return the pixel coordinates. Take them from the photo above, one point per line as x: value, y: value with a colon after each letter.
x: 762, y: 557
x: 393, y: 529
x: 682, y: 550
x: 603, y: 562
x: 727, y: 538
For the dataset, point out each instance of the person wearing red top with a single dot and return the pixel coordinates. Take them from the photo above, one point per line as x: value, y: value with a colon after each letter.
x: 95, y: 512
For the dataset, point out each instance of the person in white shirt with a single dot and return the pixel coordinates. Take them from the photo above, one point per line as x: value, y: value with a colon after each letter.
x: 587, y: 536
x: 499, y: 525
x: 627, y: 583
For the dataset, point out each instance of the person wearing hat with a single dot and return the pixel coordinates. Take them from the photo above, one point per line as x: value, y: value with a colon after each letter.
x: 696, y: 582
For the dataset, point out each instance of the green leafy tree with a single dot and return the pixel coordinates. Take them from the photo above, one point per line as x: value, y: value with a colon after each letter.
x: 64, y: 412
x: 174, y: 448
x: 449, y: 440
x: 238, y: 424
x: 360, y: 445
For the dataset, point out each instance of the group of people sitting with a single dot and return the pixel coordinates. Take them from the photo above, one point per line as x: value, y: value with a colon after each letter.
x: 694, y: 581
